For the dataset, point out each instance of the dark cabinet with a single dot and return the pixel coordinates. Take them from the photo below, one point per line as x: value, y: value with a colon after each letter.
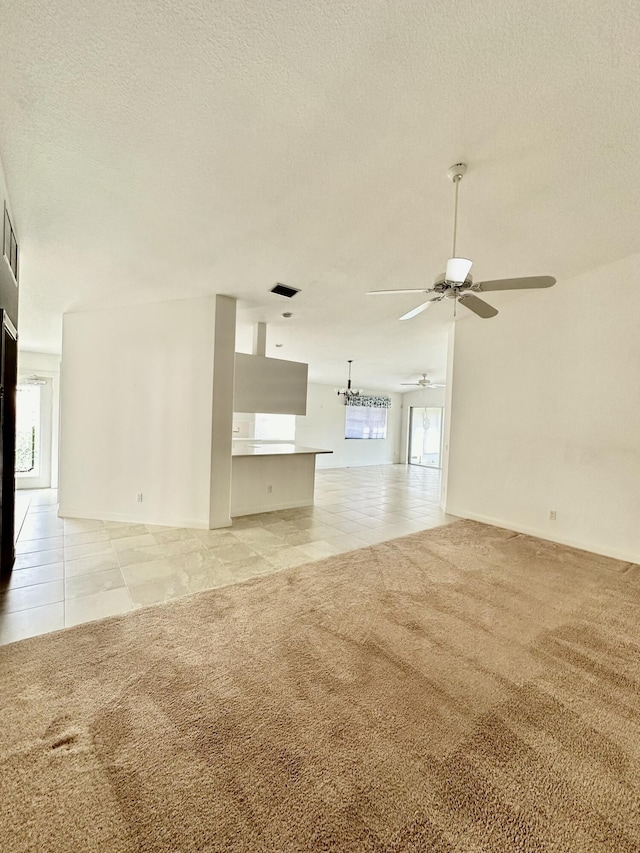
x: 8, y: 379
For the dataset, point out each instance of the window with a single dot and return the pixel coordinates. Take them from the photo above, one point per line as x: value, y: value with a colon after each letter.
x: 365, y: 422
x: 6, y: 236
x: 9, y: 245
x: 425, y: 436
x: 28, y: 431
x: 275, y: 427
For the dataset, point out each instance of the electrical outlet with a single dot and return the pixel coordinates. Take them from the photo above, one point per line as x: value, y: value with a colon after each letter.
x: 269, y: 489
x: 139, y: 497
x: 552, y: 515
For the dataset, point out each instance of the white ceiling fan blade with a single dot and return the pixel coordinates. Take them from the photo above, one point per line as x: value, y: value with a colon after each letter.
x: 458, y: 269
x: 404, y: 290
x: 416, y: 384
x: 418, y: 309
x: 533, y: 281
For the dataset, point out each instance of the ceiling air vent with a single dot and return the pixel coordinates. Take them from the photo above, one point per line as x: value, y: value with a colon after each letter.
x: 283, y: 290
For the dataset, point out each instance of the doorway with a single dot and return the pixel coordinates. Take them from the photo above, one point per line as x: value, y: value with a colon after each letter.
x: 425, y: 436
x: 33, y: 432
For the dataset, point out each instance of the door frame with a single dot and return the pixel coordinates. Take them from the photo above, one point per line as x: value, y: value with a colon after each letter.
x: 441, y: 449
x: 45, y: 382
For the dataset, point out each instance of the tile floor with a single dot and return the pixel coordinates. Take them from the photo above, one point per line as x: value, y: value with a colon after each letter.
x: 69, y: 571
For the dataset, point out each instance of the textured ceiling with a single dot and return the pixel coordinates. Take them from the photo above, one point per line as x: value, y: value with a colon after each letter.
x: 165, y: 148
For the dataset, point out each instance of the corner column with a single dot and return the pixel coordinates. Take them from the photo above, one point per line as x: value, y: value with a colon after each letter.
x: 448, y: 408
x: 222, y: 412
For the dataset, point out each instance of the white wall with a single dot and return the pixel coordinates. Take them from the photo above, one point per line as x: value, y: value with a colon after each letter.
x: 46, y: 365
x: 136, y: 413
x: 546, y: 413
x: 323, y: 427
x: 244, y: 425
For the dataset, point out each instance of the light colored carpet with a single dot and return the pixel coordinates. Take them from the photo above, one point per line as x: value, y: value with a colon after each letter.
x: 462, y: 689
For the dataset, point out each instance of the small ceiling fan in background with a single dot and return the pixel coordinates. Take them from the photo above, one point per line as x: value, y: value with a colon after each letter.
x: 456, y: 282
x: 424, y: 383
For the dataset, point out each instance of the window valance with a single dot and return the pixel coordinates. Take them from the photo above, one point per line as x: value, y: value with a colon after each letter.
x: 372, y: 401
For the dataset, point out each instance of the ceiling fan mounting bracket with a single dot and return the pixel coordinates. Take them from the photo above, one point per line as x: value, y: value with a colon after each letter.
x: 441, y: 285
x: 457, y: 172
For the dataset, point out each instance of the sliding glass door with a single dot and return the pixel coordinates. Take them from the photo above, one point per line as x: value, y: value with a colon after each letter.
x: 425, y: 436
x: 33, y: 433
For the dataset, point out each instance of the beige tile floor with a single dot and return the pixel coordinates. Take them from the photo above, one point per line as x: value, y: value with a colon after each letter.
x: 69, y: 571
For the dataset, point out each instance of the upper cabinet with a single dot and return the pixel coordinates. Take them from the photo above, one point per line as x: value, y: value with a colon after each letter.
x: 269, y: 385
x: 9, y: 261
x: 10, y: 244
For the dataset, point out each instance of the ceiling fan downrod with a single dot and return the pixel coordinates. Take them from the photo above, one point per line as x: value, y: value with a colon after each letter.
x: 456, y: 174
x: 457, y: 271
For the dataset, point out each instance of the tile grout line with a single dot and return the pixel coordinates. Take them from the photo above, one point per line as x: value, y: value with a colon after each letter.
x: 393, y: 493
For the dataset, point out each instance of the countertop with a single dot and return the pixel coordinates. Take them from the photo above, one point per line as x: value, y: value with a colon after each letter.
x: 258, y: 448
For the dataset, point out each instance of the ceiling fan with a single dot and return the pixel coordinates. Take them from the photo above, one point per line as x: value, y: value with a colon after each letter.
x: 456, y: 282
x: 424, y: 383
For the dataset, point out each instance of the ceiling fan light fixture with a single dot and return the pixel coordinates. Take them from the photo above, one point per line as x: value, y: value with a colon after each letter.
x: 458, y: 270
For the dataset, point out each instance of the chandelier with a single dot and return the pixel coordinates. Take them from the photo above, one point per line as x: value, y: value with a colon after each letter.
x: 349, y: 393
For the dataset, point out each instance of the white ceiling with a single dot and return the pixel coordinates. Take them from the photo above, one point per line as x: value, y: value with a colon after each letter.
x: 177, y: 147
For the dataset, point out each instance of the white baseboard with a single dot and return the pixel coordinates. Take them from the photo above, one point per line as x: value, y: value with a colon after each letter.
x: 254, y: 510
x: 98, y: 515
x: 605, y: 551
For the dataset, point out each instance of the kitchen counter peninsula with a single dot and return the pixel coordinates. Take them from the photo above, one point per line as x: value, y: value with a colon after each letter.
x: 271, y: 475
